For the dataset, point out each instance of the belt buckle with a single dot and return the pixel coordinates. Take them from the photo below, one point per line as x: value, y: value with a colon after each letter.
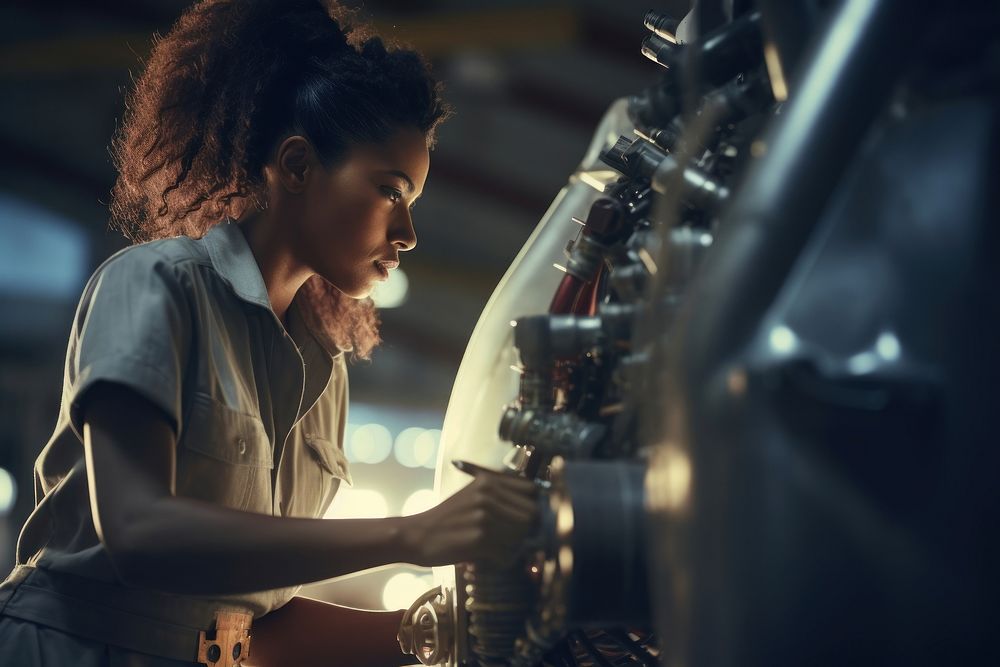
x: 230, y: 643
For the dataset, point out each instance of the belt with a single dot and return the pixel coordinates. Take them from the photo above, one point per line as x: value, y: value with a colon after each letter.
x: 169, y: 626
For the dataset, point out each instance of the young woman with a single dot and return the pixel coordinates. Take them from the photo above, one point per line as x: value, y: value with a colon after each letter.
x: 269, y: 160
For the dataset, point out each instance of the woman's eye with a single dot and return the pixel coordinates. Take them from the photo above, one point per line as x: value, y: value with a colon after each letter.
x: 393, y: 194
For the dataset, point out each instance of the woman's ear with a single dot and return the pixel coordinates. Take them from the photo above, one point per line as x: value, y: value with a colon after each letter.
x: 294, y: 159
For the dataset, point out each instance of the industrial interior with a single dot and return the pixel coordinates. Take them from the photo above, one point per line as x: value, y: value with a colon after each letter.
x: 720, y: 277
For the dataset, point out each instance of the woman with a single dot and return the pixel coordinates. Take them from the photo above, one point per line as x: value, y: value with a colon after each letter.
x: 268, y: 165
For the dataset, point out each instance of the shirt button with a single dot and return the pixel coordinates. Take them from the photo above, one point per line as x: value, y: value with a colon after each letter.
x: 243, y: 445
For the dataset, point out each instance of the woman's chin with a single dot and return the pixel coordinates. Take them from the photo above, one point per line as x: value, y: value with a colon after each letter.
x: 360, y: 293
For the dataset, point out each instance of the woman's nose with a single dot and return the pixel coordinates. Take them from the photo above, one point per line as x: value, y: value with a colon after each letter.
x: 404, y: 237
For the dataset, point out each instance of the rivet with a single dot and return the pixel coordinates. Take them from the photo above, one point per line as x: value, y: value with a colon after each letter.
x: 243, y: 445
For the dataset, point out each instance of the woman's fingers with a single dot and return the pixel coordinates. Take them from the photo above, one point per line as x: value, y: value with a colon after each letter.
x: 516, y: 515
x: 516, y: 505
x: 487, y: 520
x: 501, y: 504
x: 514, y: 483
x: 507, y: 486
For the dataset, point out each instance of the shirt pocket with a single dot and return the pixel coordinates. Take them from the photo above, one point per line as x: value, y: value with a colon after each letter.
x: 329, y: 457
x: 224, y: 457
x: 333, y: 468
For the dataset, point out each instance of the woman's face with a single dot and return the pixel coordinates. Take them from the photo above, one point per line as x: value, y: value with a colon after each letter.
x: 356, y: 217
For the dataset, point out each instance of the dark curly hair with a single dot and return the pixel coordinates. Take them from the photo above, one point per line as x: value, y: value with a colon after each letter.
x: 223, y: 88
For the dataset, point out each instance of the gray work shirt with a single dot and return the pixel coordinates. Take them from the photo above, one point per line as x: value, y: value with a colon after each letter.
x: 260, y: 412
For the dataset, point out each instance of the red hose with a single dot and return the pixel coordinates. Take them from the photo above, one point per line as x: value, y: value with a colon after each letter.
x: 566, y: 295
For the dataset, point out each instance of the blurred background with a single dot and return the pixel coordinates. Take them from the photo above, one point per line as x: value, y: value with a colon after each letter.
x: 529, y: 80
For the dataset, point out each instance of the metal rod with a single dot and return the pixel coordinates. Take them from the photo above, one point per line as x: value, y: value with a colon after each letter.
x: 839, y: 91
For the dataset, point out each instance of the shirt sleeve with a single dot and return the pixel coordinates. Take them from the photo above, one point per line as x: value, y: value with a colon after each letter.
x: 132, y: 326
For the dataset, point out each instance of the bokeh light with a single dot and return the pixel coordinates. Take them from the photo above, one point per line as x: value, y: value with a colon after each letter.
x: 403, y: 448
x: 425, y: 447
x: 358, y: 504
x: 419, y: 501
x: 369, y: 443
x: 888, y: 346
x: 8, y: 491
x: 783, y: 340
x: 391, y: 293
x: 404, y: 588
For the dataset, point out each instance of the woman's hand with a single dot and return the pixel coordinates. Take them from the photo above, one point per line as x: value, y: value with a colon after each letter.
x: 486, y: 521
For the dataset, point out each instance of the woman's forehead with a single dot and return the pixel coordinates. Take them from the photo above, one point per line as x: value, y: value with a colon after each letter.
x: 404, y: 155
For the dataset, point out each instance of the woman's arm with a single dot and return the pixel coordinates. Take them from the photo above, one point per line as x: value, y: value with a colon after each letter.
x: 311, y: 633
x: 158, y: 540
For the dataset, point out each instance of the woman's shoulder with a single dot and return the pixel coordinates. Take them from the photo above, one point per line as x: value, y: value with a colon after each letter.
x: 169, y: 253
x: 165, y: 266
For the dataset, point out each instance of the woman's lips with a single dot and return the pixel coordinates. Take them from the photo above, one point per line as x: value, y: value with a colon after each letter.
x: 385, y: 266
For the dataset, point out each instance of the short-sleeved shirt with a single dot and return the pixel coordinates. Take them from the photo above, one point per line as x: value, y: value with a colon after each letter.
x: 259, y: 410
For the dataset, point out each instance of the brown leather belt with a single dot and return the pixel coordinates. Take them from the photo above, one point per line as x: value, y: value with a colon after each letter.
x: 168, y: 626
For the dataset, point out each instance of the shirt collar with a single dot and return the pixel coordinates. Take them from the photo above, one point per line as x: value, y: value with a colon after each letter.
x: 234, y: 261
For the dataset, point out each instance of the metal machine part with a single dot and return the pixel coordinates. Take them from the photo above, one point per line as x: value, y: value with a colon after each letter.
x: 602, y: 513
x: 552, y: 434
x: 485, y: 381
x: 821, y: 476
x: 737, y: 360
x: 582, y: 598
x: 428, y: 627
x: 571, y: 570
x: 710, y: 61
x: 498, y: 602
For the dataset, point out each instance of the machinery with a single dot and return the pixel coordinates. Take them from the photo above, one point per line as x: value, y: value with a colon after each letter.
x: 758, y: 385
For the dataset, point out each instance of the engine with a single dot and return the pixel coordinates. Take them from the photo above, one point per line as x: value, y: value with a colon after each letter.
x: 741, y: 384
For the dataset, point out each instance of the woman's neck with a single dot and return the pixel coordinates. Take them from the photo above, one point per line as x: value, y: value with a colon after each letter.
x: 282, y: 274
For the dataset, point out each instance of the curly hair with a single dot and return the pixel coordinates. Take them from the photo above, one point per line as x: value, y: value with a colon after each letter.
x: 223, y: 88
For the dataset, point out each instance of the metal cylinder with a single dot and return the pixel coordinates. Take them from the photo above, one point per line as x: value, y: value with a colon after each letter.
x: 609, y: 578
